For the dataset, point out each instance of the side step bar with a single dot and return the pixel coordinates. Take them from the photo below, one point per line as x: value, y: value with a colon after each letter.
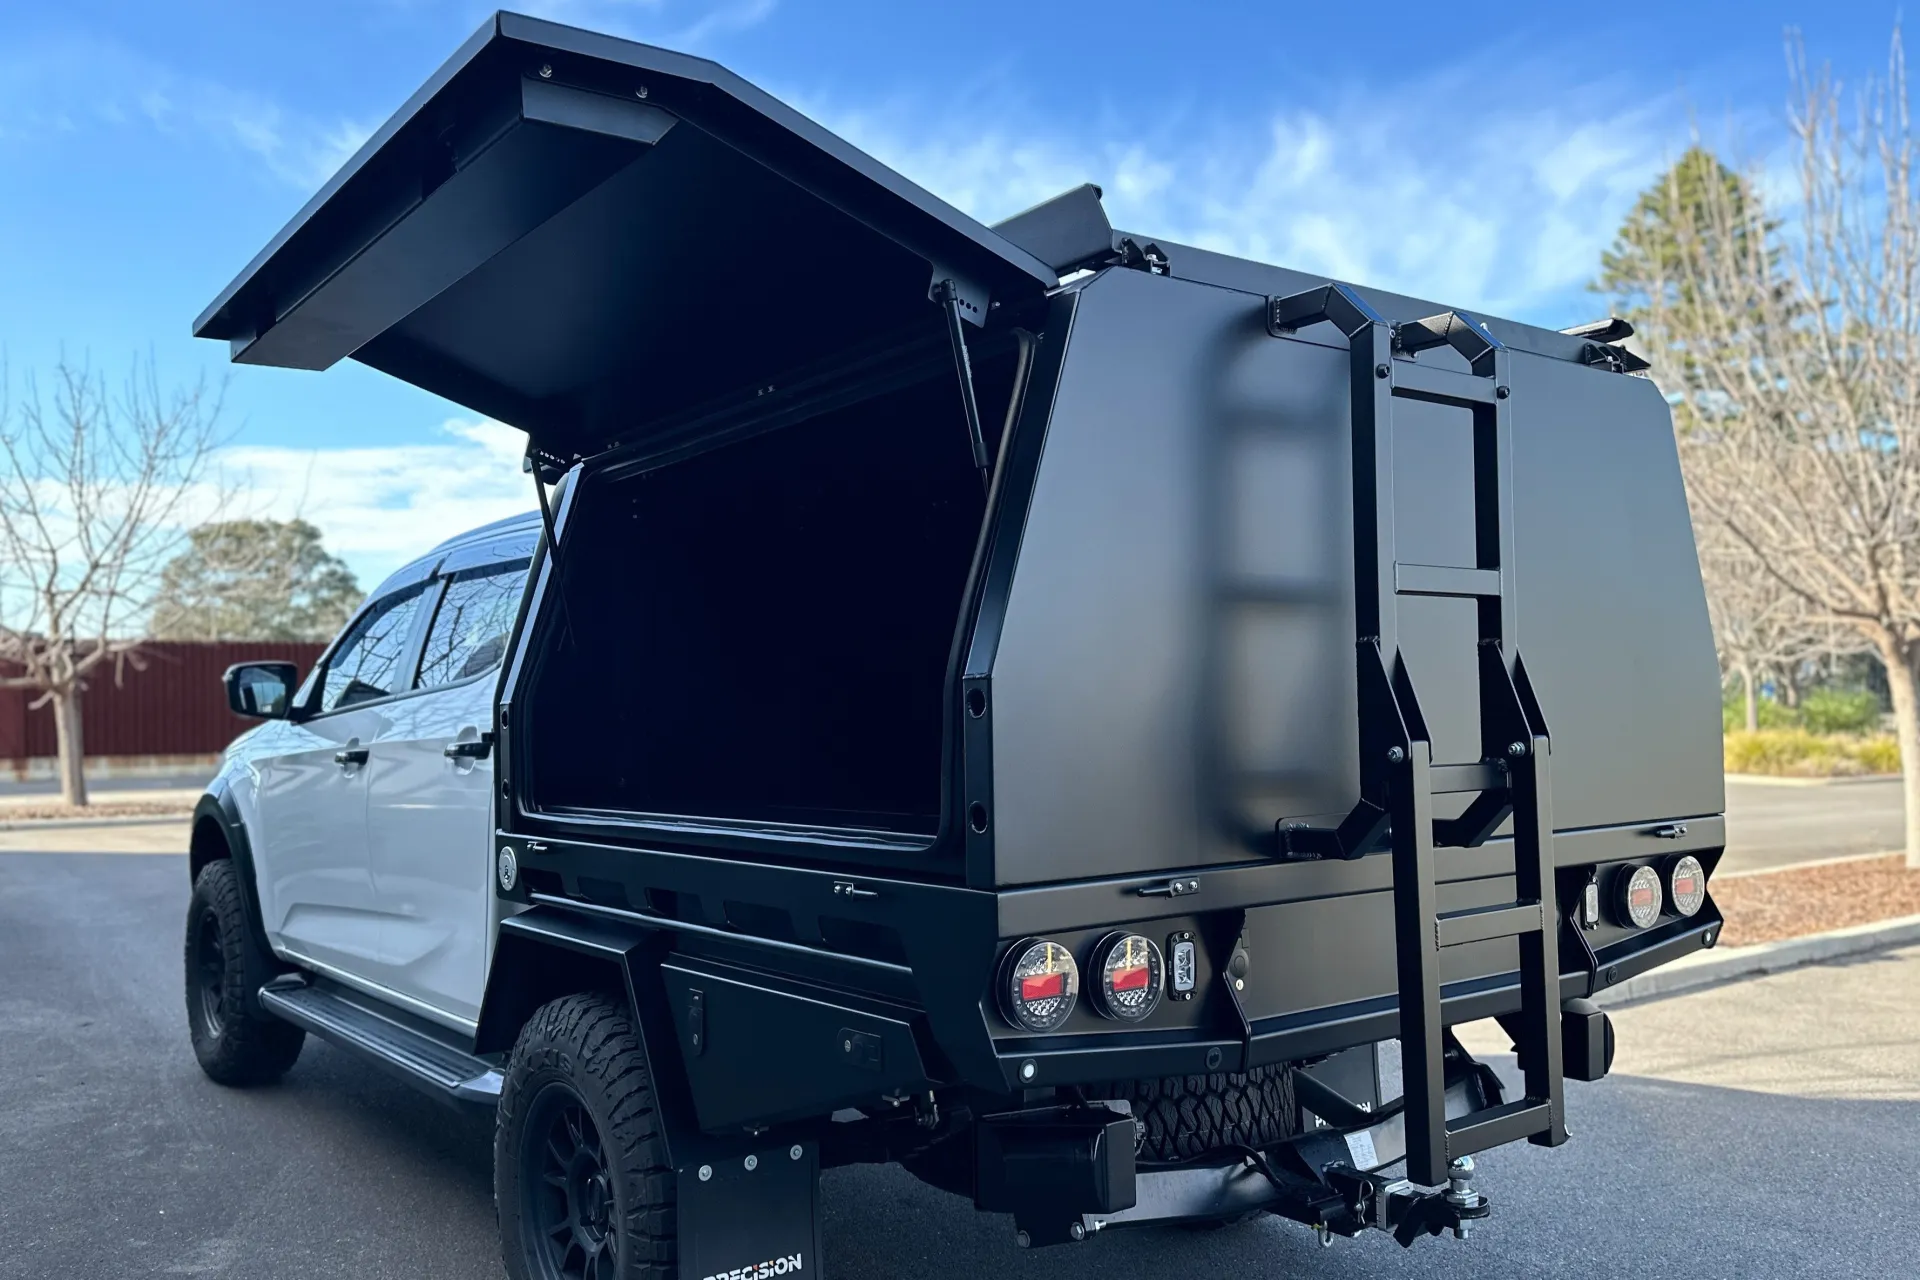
x: 352, y: 1022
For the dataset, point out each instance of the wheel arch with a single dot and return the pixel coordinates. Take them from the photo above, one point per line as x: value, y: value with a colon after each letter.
x: 546, y: 953
x: 220, y: 834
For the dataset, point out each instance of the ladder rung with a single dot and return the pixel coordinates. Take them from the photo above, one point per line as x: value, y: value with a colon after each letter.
x: 1440, y: 386
x: 1497, y: 1126
x: 1445, y: 580
x: 1483, y: 923
x: 1450, y: 779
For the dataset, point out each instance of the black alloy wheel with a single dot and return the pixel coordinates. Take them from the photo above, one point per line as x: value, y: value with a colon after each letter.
x: 569, y: 1190
x: 210, y: 973
x: 235, y: 1040
x: 581, y: 1180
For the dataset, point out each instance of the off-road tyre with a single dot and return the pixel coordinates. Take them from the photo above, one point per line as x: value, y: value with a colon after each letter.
x: 235, y: 1040
x: 581, y: 1053
x: 1190, y: 1117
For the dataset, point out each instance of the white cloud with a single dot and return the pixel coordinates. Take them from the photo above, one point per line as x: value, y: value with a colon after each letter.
x: 379, y: 506
x: 1509, y: 216
x: 664, y: 22
x: 723, y: 20
x: 62, y: 87
x: 1488, y: 187
x: 1497, y: 194
x: 301, y: 151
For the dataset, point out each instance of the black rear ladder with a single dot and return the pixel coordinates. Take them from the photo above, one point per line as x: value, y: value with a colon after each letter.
x: 1398, y: 776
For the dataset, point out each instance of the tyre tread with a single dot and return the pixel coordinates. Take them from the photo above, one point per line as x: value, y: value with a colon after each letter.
x: 253, y: 1046
x: 1188, y: 1117
x: 589, y: 1040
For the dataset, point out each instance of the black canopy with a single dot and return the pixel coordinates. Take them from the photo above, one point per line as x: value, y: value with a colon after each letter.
x: 574, y: 233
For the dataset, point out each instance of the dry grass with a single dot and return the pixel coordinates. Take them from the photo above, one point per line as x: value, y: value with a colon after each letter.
x: 1796, y: 753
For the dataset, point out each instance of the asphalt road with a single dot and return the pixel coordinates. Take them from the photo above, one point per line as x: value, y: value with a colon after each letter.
x: 1772, y: 1130
x: 1773, y: 824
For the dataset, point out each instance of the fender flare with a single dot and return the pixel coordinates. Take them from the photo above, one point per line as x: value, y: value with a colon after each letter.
x: 545, y: 953
x: 218, y: 806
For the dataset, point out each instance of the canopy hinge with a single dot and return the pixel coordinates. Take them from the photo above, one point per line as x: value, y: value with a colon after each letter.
x: 1150, y: 258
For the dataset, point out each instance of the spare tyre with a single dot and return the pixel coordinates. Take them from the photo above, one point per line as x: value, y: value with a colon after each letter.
x: 1189, y: 1117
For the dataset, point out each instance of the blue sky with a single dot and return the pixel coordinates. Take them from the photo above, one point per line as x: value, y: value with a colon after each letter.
x: 1477, y: 154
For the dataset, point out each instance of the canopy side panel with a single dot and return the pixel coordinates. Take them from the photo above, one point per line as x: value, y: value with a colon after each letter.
x: 1111, y: 735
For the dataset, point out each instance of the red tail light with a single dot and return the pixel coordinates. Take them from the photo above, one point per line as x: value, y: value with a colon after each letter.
x: 1047, y: 986
x: 1636, y: 896
x: 1687, y: 885
x: 1039, y: 985
x: 1131, y: 976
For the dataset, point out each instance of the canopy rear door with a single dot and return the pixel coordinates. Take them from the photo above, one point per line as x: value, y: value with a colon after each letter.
x: 575, y: 234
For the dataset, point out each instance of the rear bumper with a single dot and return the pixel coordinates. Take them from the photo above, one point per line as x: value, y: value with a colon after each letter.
x: 1314, y: 1032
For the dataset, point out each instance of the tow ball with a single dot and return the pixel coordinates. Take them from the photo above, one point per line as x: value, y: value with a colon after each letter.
x: 1409, y: 1212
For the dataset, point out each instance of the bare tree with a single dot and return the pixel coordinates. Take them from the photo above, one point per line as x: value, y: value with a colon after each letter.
x: 95, y: 486
x: 1792, y: 350
x: 1761, y: 629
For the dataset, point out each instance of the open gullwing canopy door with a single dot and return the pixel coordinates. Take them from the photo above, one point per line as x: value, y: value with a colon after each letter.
x: 576, y: 234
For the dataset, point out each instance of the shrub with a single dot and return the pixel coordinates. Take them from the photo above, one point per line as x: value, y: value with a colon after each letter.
x: 1822, y: 710
x: 1773, y: 715
x: 1840, y: 711
x: 1797, y: 753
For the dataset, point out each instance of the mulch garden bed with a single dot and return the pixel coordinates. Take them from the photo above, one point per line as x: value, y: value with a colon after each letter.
x: 53, y: 810
x: 1768, y: 906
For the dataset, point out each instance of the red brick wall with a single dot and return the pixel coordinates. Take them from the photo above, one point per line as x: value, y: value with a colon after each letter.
x: 174, y: 707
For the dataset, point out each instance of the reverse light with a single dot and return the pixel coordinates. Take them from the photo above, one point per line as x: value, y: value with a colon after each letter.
x: 1039, y: 985
x: 1636, y: 897
x: 1686, y: 885
x: 1129, y: 976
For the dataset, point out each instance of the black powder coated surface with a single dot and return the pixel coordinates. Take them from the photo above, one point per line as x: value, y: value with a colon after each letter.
x: 1175, y: 668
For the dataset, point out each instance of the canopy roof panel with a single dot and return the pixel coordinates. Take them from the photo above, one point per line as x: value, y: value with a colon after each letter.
x: 575, y: 233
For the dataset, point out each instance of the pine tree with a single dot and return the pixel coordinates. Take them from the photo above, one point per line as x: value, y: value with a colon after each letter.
x: 254, y: 580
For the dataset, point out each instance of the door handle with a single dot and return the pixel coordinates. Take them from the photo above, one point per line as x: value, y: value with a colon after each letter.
x: 467, y: 749
x: 350, y: 755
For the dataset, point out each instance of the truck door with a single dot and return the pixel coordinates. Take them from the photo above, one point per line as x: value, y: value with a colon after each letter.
x: 311, y: 848
x: 430, y: 786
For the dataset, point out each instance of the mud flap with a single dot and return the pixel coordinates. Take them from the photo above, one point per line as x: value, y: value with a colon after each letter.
x: 751, y: 1217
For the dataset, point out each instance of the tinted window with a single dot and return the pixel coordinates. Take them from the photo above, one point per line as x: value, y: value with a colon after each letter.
x: 367, y: 663
x: 470, y: 630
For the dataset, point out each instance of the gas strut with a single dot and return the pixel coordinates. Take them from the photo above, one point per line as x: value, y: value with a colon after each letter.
x: 949, y: 297
x: 532, y: 464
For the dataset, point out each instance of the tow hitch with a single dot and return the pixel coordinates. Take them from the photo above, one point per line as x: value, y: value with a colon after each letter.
x: 1409, y: 1212
x: 1333, y: 1180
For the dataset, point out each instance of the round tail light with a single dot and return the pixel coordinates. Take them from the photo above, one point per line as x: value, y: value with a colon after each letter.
x: 1636, y: 897
x: 1130, y: 975
x: 1687, y: 885
x: 1039, y: 985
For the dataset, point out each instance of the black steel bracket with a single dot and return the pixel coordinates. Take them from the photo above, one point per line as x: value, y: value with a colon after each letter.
x: 1150, y: 258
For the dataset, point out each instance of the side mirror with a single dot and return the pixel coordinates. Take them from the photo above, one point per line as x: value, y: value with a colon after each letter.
x: 261, y: 690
